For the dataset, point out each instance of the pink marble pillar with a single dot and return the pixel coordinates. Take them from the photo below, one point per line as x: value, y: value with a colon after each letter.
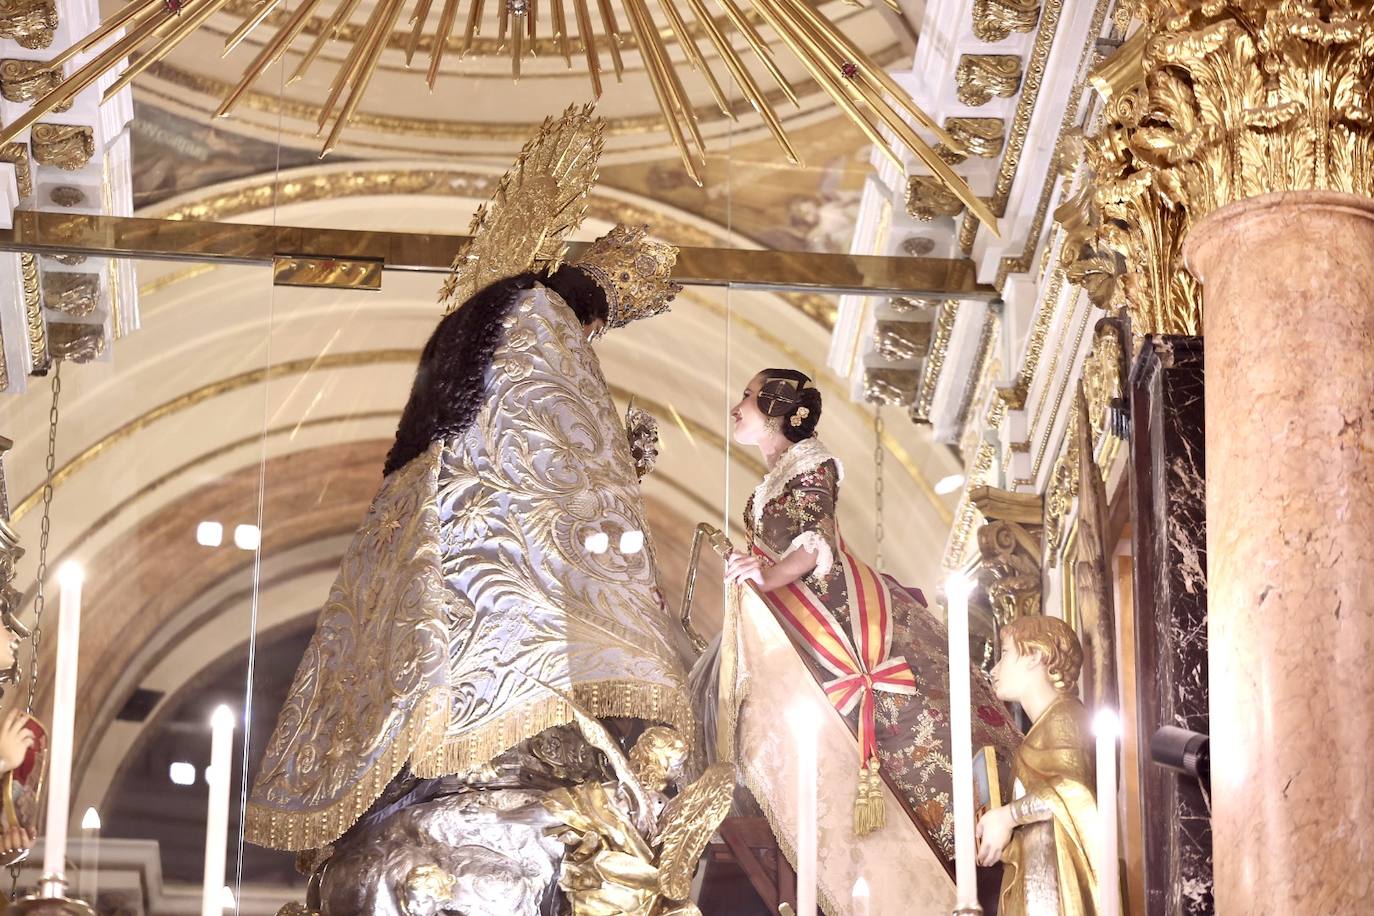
x: 1288, y: 317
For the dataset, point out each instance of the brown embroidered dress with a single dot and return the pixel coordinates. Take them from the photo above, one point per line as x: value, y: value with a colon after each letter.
x: 794, y: 508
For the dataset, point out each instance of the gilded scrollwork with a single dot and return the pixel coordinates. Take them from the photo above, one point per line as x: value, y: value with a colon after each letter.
x: 1214, y: 103
x: 65, y: 146
x: 995, y: 20
x: 1009, y: 543
x: 28, y: 23
x: 981, y: 137
x: 892, y: 387
x: 26, y: 80
x: 928, y: 199
x: 72, y: 294
x: 77, y: 343
x: 901, y: 340
x: 983, y: 77
x: 1061, y: 492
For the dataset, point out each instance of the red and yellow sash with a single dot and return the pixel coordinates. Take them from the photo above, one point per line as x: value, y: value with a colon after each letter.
x: 859, y: 661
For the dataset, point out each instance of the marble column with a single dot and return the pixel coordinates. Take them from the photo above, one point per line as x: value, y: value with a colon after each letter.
x: 1288, y: 312
x: 1169, y: 544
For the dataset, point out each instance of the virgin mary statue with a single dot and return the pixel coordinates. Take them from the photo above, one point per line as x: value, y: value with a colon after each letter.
x: 470, y: 623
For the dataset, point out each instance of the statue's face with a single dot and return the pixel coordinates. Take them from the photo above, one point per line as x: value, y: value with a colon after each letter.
x: 1015, y: 673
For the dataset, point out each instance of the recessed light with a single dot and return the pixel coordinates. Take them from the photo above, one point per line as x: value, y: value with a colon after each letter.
x: 247, y: 537
x: 597, y: 542
x: 209, y: 534
x: 182, y: 773
x: 632, y: 542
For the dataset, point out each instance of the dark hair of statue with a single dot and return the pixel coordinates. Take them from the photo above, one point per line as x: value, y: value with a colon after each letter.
x: 808, y: 397
x: 450, y: 382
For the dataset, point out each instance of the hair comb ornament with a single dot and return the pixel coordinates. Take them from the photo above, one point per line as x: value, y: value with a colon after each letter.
x: 801, y: 414
x: 778, y: 396
x: 634, y: 271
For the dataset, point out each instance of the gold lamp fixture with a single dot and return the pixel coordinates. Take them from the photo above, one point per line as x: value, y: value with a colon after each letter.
x: 858, y: 87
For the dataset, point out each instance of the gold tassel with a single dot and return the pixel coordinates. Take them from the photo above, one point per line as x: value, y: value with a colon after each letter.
x: 870, y: 812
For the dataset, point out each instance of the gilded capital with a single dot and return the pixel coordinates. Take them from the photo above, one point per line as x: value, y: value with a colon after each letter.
x: 1213, y: 103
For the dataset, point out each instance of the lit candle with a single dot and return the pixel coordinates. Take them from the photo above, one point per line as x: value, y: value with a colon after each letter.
x: 54, y: 879
x: 217, y: 814
x: 90, y: 856
x: 804, y: 728
x: 957, y: 588
x: 1107, y: 727
x: 861, y: 897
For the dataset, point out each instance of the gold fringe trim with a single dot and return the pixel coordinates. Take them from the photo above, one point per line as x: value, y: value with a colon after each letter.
x: 785, y: 846
x: 293, y: 831
x: 602, y: 699
x: 423, y: 743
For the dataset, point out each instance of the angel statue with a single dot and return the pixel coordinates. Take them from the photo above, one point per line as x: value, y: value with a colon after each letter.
x: 471, y: 641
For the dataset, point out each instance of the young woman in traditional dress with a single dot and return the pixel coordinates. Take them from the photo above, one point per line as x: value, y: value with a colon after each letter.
x: 876, y: 654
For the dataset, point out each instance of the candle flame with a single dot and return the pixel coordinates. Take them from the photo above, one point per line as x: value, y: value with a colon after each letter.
x: 1106, y: 724
x: 223, y: 718
x: 71, y: 575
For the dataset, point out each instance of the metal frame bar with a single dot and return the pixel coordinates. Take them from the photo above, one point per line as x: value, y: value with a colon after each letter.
x: 53, y: 233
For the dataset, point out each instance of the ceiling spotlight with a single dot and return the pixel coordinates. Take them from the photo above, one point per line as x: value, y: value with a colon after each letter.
x: 182, y: 773
x: 247, y: 537
x: 209, y: 534
x: 632, y: 542
x: 597, y: 542
x: 947, y: 485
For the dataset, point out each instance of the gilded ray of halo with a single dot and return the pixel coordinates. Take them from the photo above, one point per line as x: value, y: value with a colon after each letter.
x: 862, y: 91
x: 541, y: 199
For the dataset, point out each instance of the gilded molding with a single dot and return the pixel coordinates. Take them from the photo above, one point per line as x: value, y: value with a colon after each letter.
x: 17, y: 154
x: 928, y: 199
x: 935, y: 360
x: 33, y: 316
x: 982, y: 77
x: 1061, y: 491
x: 1104, y: 384
x: 29, y: 23
x: 66, y: 146
x: 26, y: 80
x: 981, y: 137
x: 978, y: 474
x: 995, y: 20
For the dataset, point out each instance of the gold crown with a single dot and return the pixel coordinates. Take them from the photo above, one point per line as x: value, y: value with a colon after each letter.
x: 634, y: 272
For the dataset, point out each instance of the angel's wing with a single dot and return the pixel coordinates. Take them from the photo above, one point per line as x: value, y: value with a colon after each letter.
x: 689, y: 822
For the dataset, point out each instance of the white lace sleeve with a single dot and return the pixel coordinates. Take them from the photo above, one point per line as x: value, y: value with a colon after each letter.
x: 813, y: 540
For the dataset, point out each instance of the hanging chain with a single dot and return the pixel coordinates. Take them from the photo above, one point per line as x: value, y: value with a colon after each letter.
x: 878, y: 452
x: 40, y: 595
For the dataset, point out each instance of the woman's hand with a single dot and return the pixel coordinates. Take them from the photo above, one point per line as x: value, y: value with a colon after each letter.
x: 993, y: 834
x: 744, y: 567
x: 15, y: 740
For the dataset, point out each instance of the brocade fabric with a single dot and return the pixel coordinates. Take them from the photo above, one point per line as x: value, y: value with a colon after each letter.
x: 468, y: 614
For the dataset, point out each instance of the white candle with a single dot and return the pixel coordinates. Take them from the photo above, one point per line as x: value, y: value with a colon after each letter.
x: 217, y: 813
x: 90, y: 856
x: 1107, y: 727
x: 957, y: 588
x: 54, y: 877
x: 805, y: 728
